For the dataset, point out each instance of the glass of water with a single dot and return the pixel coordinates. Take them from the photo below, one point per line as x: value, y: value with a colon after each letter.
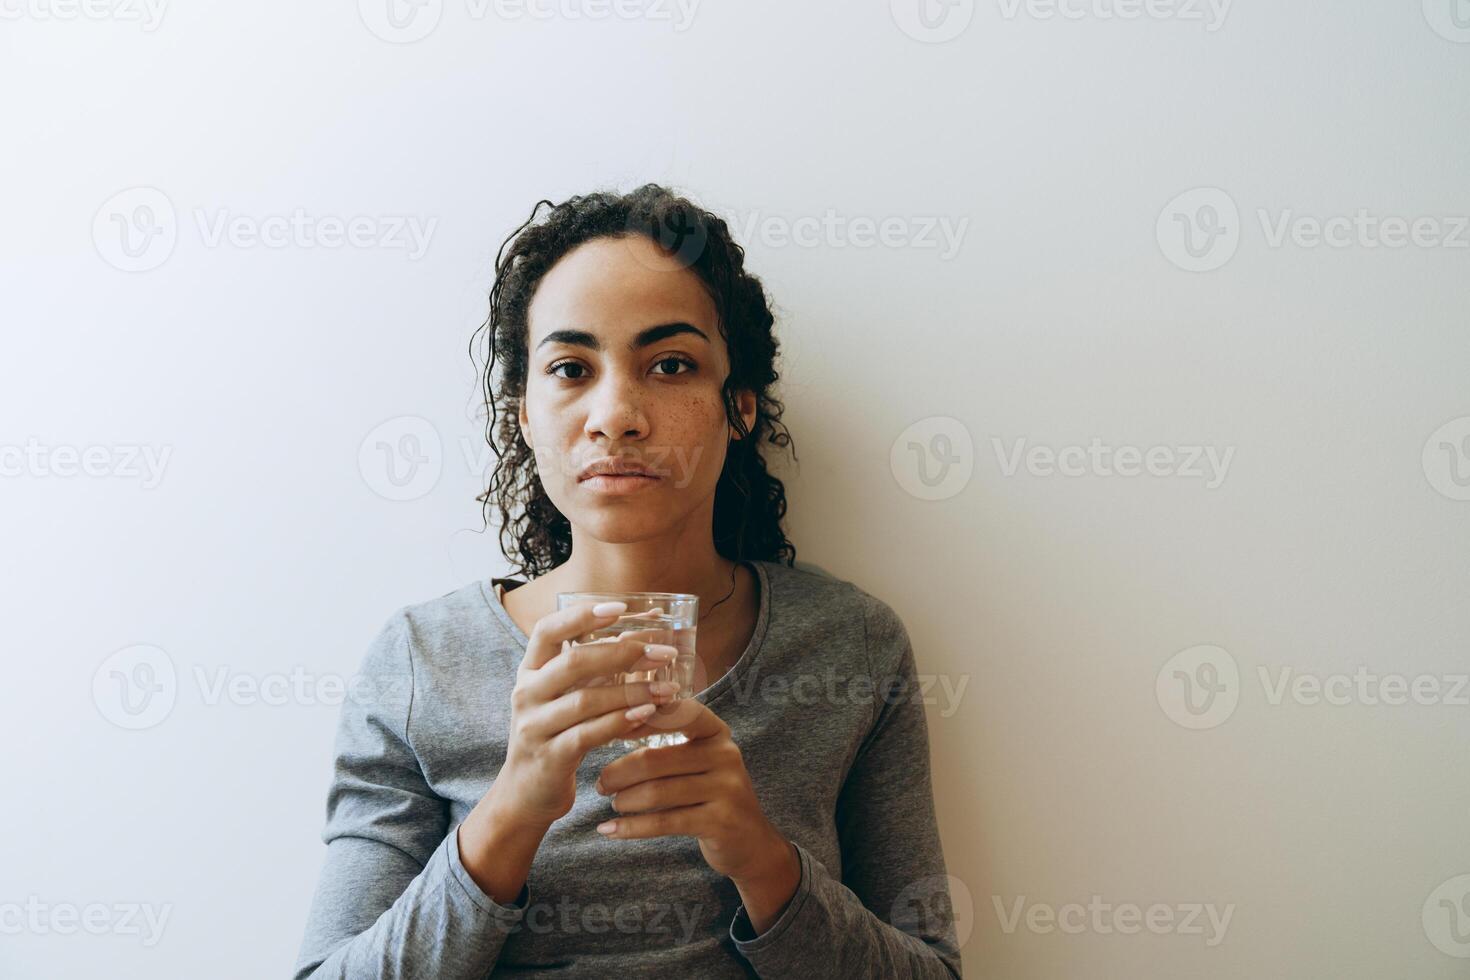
x: 657, y: 617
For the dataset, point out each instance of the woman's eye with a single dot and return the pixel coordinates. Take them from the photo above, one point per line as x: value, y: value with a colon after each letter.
x: 561, y: 364
x: 672, y: 359
x: 661, y: 366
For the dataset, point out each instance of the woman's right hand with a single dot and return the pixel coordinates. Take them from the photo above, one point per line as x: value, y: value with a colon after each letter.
x: 562, y: 707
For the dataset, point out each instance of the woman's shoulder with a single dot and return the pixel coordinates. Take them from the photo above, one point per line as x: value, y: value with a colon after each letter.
x: 812, y: 598
x: 450, y: 626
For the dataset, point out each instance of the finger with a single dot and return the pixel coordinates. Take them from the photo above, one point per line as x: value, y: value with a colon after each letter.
x: 579, y: 664
x: 688, y: 715
x: 685, y: 820
x: 577, y: 706
x: 656, y: 762
x: 670, y: 791
x: 577, y: 741
x: 553, y: 629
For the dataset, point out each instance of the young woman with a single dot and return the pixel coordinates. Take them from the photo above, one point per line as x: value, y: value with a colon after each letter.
x: 481, y: 821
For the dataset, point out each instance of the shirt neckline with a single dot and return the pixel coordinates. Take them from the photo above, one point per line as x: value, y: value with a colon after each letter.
x: 714, y: 691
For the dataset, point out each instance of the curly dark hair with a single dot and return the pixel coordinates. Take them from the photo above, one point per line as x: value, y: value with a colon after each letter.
x: 749, y: 502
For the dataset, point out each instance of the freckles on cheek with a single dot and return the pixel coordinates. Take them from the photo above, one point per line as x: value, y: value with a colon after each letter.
x: 695, y: 419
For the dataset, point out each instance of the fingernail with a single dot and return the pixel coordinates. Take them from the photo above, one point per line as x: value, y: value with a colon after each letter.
x: 660, y: 651
x: 609, y: 608
x: 664, y: 687
x: 608, y: 827
x: 640, y: 712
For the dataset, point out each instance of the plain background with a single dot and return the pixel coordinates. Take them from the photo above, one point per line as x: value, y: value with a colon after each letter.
x: 1068, y: 766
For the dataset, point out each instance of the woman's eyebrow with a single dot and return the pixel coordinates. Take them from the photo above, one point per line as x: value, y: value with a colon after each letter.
x: 645, y: 337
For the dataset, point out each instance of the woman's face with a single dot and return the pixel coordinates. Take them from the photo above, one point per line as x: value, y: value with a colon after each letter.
x: 625, y: 361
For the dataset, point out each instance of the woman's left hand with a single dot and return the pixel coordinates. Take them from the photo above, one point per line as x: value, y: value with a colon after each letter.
x: 700, y: 788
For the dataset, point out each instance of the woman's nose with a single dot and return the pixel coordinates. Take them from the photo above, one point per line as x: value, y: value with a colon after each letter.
x: 616, y: 410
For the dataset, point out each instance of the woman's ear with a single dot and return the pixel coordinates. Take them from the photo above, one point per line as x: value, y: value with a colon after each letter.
x: 524, y: 422
x: 745, y: 403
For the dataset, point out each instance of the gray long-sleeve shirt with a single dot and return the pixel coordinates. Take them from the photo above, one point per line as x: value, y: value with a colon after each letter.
x: 826, y: 708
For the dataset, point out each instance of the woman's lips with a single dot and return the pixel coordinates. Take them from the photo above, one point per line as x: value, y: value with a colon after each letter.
x: 620, y: 484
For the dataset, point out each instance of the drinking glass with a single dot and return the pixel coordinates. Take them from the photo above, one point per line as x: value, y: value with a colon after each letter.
x: 658, y: 617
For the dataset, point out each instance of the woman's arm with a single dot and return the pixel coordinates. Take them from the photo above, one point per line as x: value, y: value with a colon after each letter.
x: 890, y: 914
x: 394, y: 898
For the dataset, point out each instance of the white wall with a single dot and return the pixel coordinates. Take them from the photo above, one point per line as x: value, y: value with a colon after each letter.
x: 1052, y: 148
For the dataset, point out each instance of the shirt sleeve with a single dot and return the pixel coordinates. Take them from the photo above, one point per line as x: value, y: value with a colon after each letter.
x: 394, y: 899
x: 891, y: 913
